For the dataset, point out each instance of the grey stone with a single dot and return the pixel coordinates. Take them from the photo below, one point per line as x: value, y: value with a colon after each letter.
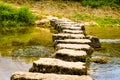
x: 84, y: 47
x: 71, y: 55
x: 52, y: 65
x: 73, y: 31
x: 67, y: 36
x: 73, y: 41
x: 95, y: 42
x: 47, y: 76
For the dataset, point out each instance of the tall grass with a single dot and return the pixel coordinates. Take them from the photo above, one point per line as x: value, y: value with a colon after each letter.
x: 10, y: 16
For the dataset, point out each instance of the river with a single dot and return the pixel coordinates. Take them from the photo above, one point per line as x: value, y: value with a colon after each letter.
x: 110, y: 48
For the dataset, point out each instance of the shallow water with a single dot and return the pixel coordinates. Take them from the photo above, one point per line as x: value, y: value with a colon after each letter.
x: 111, y: 70
x: 9, y: 65
x: 110, y: 40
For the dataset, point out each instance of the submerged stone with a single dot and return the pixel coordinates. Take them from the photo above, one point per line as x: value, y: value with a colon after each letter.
x: 33, y: 51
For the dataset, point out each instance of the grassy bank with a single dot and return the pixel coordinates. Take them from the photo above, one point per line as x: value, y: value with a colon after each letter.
x: 103, y: 12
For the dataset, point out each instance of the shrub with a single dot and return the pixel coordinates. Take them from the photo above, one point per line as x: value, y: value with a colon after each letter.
x: 10, y: 16
x: 25, y: 16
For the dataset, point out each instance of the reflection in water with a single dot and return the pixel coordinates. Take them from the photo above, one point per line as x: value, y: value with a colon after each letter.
x: 9, y: 65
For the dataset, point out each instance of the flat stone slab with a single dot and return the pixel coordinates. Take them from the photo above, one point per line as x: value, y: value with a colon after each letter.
x: 71, y: 28
x: 52, y: 65
x: 71, y: 55
x: 47, y: 76
x: 84, y: 47
x: 62, y: 27
x: 73, y: 41
x: 67, y: 36
x: 73, y: 31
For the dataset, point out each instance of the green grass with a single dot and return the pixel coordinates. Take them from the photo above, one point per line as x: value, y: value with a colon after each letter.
x: 110, y: 50
x: 108, y: 32
x: 102, y: 21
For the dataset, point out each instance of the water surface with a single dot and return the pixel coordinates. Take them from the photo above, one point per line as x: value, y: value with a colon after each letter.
x: 111, y: 70
x: 9, y: 65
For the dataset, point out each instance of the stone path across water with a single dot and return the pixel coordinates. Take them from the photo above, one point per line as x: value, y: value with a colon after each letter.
x: 72, y: 48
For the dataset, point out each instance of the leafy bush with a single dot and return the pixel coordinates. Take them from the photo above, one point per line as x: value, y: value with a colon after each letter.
x: 10, y: 16
x: 99, y: 3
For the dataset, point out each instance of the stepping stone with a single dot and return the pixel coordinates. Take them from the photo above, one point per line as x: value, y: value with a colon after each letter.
x: 73, y: 41
x: 73, y: 31
x: 71, y: 55
x: 71, y: 27
x: 47, y: 76
x: 61, y: 28
x: 67, y: 36
x: 84, y: 47
x: 52, y: 65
